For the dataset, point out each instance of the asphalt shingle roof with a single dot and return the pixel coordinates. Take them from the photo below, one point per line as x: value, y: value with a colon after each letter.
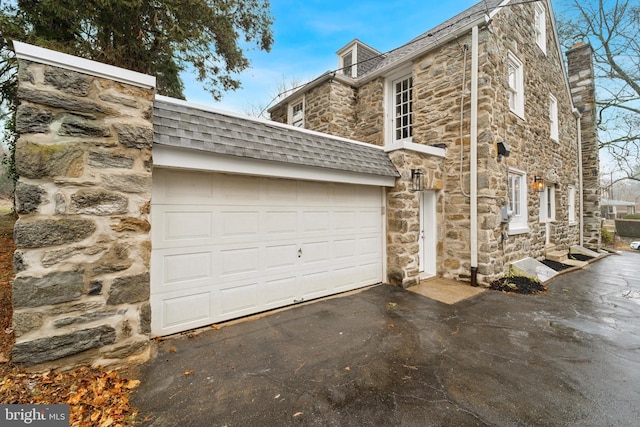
x: 435, y: 34
x: 179, y: 125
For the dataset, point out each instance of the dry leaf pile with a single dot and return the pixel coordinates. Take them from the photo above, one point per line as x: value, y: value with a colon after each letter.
x: 96, y: 397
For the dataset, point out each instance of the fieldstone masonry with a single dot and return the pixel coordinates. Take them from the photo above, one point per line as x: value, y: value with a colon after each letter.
x: 581, y: 81
x: 81, y: 291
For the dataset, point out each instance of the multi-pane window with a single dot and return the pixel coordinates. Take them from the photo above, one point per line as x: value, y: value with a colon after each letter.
x: 403, y: 108
x: 515, y: 77
x: 572, y: 204
x: 553, y: 117
x: 518, y: 202
x: 347, y: 64
x: 540, y: 27
x: 296, y: 113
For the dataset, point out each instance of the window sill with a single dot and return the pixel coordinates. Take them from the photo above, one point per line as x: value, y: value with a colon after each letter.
x: 573, y: 222
x: 520, y: 230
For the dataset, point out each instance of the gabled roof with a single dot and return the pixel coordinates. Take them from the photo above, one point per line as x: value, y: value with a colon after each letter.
x: 462, y: 21
x: 181, y: 124
x: 459, y: 24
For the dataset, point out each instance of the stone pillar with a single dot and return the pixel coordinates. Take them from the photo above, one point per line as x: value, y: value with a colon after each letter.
x: 582, y: 84
x: 81, y: 291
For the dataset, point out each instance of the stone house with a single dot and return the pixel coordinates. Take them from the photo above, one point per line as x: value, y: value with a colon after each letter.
x: 143, y: 216
x: 480, y: 115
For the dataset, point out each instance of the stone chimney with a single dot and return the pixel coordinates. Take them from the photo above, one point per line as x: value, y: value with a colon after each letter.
x: 582, y: 84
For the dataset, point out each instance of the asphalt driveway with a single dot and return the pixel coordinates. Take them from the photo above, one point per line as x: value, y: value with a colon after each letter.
x: 389, y: 357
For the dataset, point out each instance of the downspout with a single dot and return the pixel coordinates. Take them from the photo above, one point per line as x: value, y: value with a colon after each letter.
x: 473, y: 167
x: 578, y: 117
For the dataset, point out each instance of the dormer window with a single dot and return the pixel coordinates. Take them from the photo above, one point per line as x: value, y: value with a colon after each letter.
x: 346, y: 65
x: 540, y: 25
x: 296, y: 113
x: 357, y: 59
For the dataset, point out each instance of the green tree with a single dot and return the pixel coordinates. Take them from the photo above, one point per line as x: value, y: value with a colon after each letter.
x: 612, y: 27
x: 157, y: 37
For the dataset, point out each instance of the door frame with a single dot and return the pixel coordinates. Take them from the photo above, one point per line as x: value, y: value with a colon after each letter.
x: 428, y: 237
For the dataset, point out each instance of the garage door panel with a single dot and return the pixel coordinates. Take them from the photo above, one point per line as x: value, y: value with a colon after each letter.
x: 345, y: 277
x: 238, y: 261
x: 370, y: 273
x: 187, y: 226
x: 283, y: 192
x: 370, y: 246
x: 182, y: 268
x: 178, y: 187
x: 315, y: 252
x: 243, y: 244
x: 237, y: 189
x: 314, y: 221
x: 238, y: 299
x: 279, y: 292
x: 280, y: 256
x: 316, y: 284
x: 236, y: 223
x: 175, y: 312
x: 279, y: 222
x: 369, y: 221
x: 345, y: 249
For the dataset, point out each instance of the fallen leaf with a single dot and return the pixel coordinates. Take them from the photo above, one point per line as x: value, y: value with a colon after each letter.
x: 297, y: 414
x: 187, y: 373
x: 172, y: 350
x: 131, y: 384
x: 214, y: 326
x: 347, y: 368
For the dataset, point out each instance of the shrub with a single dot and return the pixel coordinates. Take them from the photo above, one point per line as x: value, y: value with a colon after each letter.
x: 632, y: 216
x: 607, y: 237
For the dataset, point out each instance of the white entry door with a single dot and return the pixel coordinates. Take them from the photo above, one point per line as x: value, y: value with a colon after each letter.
x: 226, y: 246
x: 428, y: 234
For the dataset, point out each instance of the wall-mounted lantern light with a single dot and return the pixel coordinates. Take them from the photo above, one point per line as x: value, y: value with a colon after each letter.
x: 503, y: 149
x: 417, y: 180
x: 538, y: 183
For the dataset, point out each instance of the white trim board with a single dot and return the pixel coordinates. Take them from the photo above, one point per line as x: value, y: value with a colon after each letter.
x: 181, y: 158
x: 81, y: 65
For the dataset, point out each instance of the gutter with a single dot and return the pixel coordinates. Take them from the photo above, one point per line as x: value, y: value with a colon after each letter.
x: 473, y: 217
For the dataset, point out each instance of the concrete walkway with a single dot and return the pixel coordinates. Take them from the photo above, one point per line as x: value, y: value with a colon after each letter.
x: 389, y: 357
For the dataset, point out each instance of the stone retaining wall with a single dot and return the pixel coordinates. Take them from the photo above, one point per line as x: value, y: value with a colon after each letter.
x: 81, y: 291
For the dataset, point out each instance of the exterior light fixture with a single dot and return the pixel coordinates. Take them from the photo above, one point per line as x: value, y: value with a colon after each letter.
x: 538, y: 184
x: 417, y: 180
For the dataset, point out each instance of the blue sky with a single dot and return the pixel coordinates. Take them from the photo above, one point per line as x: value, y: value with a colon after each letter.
x: 308, y: 33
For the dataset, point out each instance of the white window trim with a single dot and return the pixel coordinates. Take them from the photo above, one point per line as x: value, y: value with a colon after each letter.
x: 390, y: 105
x: 571, y: 196
x: 548, y: 204
x: 519, y: 223
x: 354, y: 55
x: 540, y: 27
x: 553, y: 118
x: 290, y: 118
x: 517, y: 89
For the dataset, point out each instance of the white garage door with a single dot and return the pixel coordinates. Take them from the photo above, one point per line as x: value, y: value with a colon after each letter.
x: 226, y: 246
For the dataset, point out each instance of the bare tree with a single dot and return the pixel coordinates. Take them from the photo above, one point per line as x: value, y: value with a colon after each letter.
x: 285, y: 87
x: 612, y: 27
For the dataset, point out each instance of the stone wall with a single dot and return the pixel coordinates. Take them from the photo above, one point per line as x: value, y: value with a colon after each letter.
x: 581, y: 80
x: 81, y: 290
x: 403, y: 215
